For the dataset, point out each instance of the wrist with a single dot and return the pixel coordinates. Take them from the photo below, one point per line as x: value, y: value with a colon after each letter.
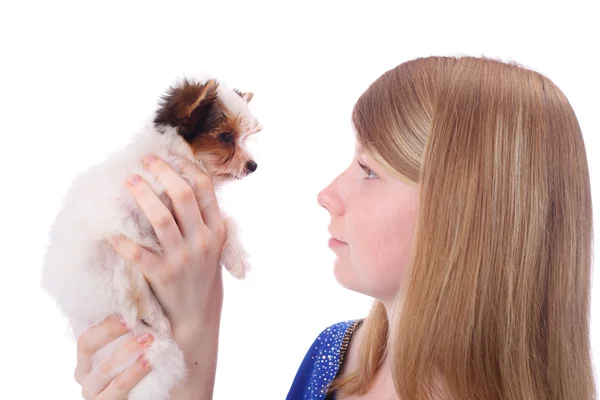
x: 205, y: 317
x: 205, y: 327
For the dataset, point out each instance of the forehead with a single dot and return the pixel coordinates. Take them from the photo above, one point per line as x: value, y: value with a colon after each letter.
x: 234, y: 102
x: 240, y: 119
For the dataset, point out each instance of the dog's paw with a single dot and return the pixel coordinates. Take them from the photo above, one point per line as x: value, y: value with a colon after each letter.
x: 234, y: 258
x: 237, y: 265
x: 159, y: 322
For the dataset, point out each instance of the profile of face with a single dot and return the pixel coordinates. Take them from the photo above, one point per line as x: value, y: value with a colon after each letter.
x: 373, y: 217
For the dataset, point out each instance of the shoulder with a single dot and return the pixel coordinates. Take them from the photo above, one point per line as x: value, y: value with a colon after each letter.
x: 322, y: 361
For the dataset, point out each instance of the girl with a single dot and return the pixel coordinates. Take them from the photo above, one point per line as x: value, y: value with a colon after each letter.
x: 466, y: 214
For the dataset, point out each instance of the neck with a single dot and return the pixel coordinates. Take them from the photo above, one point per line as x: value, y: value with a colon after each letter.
x: 392, y: 308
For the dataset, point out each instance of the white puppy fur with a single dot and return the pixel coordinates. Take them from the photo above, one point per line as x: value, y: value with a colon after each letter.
x: 89, y: 281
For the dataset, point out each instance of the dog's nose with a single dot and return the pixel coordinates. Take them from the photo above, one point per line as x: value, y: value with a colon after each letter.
x: 251, y: 166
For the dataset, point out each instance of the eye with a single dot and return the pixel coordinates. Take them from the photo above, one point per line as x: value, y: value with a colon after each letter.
x: 368, y: 171
x: 226, y: 137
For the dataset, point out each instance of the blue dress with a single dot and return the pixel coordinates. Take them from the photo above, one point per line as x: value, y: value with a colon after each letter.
x: 322, y: 362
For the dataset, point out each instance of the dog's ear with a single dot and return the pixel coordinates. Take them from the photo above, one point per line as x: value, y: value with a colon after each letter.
x: 246, y: 96
x: 187, y: 106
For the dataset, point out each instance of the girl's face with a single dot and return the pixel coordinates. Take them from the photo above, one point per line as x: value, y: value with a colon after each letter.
x: 372, y: 226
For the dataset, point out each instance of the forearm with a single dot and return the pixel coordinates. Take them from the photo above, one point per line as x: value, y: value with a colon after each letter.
x: 200, y: 346
x: 202, y: 366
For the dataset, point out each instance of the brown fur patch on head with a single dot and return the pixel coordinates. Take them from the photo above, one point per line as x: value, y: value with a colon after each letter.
x: 191, y: 108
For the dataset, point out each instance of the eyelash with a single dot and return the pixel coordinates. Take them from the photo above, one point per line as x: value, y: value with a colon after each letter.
x: 367, y: 171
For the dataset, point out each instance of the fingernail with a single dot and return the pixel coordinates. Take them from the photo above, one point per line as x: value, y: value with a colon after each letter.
x: 143, y: 338
x: 144, y: 360
x: 149, y: 159
x: 134, y: 179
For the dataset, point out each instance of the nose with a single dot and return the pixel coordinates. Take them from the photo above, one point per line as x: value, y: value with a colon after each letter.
x: 251, y: 166
x: 330, y: 200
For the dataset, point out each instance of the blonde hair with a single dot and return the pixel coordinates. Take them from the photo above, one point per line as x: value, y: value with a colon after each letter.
x: 496, y: 299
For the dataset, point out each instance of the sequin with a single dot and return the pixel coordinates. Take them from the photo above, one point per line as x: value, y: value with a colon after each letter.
x: 322, y: 362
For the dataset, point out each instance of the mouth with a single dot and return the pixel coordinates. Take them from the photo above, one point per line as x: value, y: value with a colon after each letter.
x: 333, y: 242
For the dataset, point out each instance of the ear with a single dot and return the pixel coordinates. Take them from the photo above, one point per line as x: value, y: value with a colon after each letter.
x: 247, y: 96
x: 187, y: 104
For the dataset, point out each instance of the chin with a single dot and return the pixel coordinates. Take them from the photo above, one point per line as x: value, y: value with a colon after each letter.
x: 345, y: 276
x: 201, y: 121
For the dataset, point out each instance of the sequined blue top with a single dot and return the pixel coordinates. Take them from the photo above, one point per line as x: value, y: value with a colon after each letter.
x: 322, y: 363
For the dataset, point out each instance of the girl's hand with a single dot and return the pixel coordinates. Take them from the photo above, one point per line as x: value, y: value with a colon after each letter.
x: 98, y: 384
x: 187, y: 277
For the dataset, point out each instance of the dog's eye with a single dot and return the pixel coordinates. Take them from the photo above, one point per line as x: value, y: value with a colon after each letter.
x: 226, y: 137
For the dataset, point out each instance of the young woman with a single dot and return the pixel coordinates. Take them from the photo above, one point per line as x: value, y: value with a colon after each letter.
x: 466, y: 214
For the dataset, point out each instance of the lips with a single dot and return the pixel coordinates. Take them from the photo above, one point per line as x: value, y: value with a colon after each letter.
x: 333, y: 243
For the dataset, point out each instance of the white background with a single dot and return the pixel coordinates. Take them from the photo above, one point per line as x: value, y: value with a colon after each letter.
x: 78, y: 79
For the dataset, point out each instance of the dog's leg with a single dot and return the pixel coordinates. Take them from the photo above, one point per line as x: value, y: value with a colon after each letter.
x: 234, y: 258
x: 149, y: 309
x: 138, y: 300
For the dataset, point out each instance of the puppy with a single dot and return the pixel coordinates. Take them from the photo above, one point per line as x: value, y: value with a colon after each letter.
x: 202, y: 121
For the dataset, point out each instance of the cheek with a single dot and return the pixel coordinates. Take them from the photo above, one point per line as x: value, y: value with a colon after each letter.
x: 229, y: 161
x: 382, y: 243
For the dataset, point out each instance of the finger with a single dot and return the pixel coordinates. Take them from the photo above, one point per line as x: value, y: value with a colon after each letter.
x: 143, y: 258
x: 157, y: 213
x: 123, y: 383
x: 92, y: 340
x: 185, y: 206
x: 205, y: 196
x: 100, y: 377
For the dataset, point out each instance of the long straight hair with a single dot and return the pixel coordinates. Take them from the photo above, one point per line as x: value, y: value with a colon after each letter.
x: 495, y: 302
